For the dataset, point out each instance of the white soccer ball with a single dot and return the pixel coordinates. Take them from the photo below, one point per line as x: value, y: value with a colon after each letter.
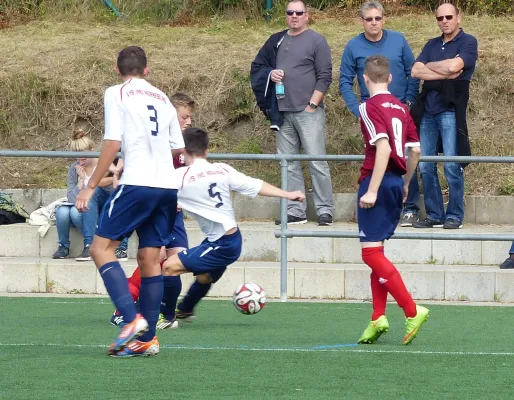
x: 249, y: 298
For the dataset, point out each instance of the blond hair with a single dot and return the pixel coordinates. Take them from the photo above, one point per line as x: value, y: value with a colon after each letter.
x: 80, y: 142
x: 182, y: 100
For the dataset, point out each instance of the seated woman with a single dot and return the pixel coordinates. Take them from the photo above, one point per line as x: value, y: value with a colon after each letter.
x: 97, y: 202
x: 67, y: 215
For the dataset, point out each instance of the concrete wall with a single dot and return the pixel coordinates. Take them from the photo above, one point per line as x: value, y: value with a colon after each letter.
x: 324, y: 281
x: 260, y: 244
x: 479, y: 209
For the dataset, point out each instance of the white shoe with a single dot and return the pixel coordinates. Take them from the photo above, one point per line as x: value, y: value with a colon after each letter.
x: 163, y: 323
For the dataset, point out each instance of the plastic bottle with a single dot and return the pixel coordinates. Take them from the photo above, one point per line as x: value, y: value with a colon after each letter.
x: 280, y: 90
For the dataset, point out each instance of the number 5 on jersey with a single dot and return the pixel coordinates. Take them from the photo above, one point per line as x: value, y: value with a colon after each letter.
x: 214, y: 194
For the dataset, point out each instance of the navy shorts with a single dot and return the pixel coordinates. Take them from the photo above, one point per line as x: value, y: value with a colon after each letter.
x: 179, y: 234
x: 212, y: 257
x: 147, y: 210
x: 379, y: 222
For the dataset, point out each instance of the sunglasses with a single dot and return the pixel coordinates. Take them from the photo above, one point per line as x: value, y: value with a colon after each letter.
x: 442, y: 17
x: 370, y: 19
x: 293, y: 12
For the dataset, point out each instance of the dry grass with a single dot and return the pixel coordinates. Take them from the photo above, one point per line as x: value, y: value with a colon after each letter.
x: 55, y: 72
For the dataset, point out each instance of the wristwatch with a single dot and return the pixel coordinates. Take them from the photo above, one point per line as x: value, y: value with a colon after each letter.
x: 313, y: 106
x: 409, y: 104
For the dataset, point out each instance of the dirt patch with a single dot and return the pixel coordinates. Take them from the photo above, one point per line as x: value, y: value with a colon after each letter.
x: 55, y: 72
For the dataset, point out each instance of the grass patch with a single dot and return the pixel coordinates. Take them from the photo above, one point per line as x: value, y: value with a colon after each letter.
x: 55, y: 73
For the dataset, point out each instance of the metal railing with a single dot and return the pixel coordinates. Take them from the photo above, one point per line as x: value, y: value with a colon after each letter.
x: 284, y: 233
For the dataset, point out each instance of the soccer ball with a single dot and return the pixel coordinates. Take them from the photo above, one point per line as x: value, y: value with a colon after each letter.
x: 249, y: 298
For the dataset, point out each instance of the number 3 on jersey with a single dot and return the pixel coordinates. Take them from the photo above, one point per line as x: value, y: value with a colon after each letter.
x: 154, y: 119
x: 214, y: 194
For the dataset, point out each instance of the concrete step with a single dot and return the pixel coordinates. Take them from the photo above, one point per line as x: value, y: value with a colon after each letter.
x: 305, y: 280
x: 23, y: 240
x: 478, y: 209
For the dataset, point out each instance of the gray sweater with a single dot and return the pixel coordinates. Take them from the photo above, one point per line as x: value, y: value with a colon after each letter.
x: 307, y: 65
x: 73, y: 179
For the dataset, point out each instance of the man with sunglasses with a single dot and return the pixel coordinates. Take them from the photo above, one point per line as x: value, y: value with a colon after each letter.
x: 378, y: 41
x: 299, y: 58
x: 446, y: 64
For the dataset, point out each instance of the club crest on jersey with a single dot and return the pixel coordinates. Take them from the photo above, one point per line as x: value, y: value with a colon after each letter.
x: 392, y: 105
x: 182, y: 159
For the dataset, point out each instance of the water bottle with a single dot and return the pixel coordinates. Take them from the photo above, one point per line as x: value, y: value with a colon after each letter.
x: 280, y: 90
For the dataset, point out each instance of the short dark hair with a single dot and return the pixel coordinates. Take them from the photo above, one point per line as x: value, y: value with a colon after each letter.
x: 182, y: 100
x: 132, y: 61
x: 377, y: 69
x: 196, y: 141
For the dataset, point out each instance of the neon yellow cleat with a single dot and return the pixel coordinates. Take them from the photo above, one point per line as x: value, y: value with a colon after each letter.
x: 164, y: 323
x: 412, y: 325
x: 374, y: 330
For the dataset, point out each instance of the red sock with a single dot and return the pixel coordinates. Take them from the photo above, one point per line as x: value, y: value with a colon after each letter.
x: 378, y: 297
x: 390, y: 277
x: 134, y: 283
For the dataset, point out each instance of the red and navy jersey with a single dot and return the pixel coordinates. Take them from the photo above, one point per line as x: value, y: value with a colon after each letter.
x: 384, y: 116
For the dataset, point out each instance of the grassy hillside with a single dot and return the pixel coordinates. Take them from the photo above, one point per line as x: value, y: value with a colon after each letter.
x: 54, y: 74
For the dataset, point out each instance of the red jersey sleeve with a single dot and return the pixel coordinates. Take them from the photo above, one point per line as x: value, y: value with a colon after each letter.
x: 179, y: 161
x: 412, y: 137
x: 372, y: 123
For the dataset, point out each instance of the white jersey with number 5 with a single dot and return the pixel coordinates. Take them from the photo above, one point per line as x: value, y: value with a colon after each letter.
x: 144, y: 120
x: 205, y: 193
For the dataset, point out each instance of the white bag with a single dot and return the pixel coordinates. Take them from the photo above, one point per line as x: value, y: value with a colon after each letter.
x: 45, y: 216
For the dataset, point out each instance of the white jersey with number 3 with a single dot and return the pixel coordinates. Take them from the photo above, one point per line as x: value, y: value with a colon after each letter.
x: 144, y: 120
x: 205, y: 193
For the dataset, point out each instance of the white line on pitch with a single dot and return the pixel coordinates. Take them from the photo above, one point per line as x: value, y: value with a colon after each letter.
x: 279, y: 349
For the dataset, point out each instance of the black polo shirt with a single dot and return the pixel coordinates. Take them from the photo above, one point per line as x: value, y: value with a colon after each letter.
x: 464, y: 46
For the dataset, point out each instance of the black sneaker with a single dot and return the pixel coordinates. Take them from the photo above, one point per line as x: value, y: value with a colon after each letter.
x: 84, y: 256
x: 292, y: 220
x: 408, y: 219
x: 508, y: 263
x: 185, y: 316
x: 62, y: 252
x: 325, y: 220
x: 121, y: 254
x: 117, y: 319
x: 428, y: 223
x: 452, y: 224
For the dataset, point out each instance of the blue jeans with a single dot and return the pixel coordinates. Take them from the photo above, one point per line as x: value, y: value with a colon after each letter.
x: 411, y: 204
x: 512, y: 249
x: 432, y: 127
x: 65, y: 218
x: 90, y: 217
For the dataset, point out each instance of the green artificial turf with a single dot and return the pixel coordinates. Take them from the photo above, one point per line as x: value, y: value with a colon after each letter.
x: 54, y: 348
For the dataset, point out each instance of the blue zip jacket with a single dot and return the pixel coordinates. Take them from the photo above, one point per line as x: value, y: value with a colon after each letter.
x: 395, y: 47
x: 263, y: 87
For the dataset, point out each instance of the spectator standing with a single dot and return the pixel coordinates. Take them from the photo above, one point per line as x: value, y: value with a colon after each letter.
x: 378, y: 41
x: 300, y: 60
x: 446, y: 65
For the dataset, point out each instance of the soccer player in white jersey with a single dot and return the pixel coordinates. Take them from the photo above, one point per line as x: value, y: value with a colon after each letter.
x: 205, y: 193
x: 140, y: 119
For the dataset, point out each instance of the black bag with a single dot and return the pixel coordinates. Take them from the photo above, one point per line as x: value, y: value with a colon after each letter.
x: 7, y: 218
